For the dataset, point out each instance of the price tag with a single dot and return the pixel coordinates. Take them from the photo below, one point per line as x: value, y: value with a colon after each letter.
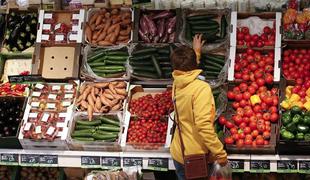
x: 29, y: 160
x: 55, y: 88
x: 39, y: 86
x: 90, y: 161
x: 111, y: 162
x: 304, y: 167
x: 132, y: 161
x: 260, y: 166
x: 68, y: 86
x: 68, y: 96
x: 48, y: 160
x: 9, y: 159
x: 52, y: 96
x: 158, y: 164
x: 66, y: 103
x: 51, y: 105
x: 287, y: 166
x: 36, y: 94
x: 237, y: 165
x: 35, y: 104
x: 45, y: 117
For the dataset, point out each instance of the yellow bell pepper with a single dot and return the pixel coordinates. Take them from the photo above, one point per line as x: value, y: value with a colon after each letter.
x: 307, y: 98
x: 255, y: 99
x: 285, y: 104
x: 297, y: 103
x: 307, y: 105
x: 294, y: 98
x: 288, y: 91
x: 308, y: 92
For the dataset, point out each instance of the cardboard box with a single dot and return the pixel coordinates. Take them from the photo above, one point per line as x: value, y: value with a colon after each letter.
x: 232, y: 57
x: 136, y: 91
x: 267, y: 16
x: 57, y: 62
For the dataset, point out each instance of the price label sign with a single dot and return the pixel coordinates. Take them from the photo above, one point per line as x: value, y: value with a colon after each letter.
x: 132, y: 161
x: 29, y: 159
x: 9, y: 159
x: 158, y: 164
x: 111, y: 162
x: 48, y: 160
x: 90, y: 161
x: 237, y: 165
x: 287, y: 166
x: 259, y: 166
x: 304, y: 167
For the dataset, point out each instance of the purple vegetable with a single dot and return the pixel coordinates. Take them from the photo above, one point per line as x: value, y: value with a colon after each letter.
x: 151, y: 25
x: 164, y: 39
x: 143, y: 26
x: 156, y: 39
x: 172, y: 37
x: 171, y: 24
x: 161, y: 27
x: 144, y: 36
x: 163, y: 14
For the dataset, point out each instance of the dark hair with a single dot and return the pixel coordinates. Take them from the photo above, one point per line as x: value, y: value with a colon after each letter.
x: 184, y: 59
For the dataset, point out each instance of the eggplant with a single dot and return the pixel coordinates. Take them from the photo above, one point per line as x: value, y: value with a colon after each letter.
x: 161, y: 27
x: 171, y: 24
x: 151, y: 25
x: 172, y: 37
x: 143, y: 26
x: 144, y: 37
x: 163, y: 15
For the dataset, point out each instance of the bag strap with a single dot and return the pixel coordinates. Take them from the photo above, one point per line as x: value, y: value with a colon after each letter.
x: 177, y: 122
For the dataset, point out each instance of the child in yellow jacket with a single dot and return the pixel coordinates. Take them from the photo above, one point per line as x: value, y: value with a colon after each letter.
x: 196, y: 109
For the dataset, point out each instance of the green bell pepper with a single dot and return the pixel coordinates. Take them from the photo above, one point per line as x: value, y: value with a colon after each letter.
x: 307, y: 137
x: 291, y: 127
x: 306, y: 120
x: 302, y: 128
x: 287, y: 113
x: 296, y: 110
x: 300, y: 136
x: 297, y: 118
x: 287, y: 135
x: 286, y: 119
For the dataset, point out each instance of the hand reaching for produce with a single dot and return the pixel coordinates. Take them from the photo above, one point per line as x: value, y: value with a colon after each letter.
x: 197, y: 45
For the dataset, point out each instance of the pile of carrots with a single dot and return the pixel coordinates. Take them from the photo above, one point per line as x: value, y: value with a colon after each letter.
x: 107, y: 27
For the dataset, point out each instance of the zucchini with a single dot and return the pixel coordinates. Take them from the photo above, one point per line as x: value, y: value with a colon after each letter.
x: 98, y: 136
x: 88, y: 123
x: 99, y: 64
x: 116, y: 53
x: 223, y: 26
x: 145, y: 74
x: 210, y: 77
x: 145, y: 51
x: 157, y: 67
x: 89, y: 131
x: 168, y: 74
x: 114, y: 62
x: 214, y: 64
x: 2, y: 62
x: 201, y: 17
x: 144, y: 68
x: 86, y: 139
x: 140, y: 63
x: 109, y: 128
x: 106, y: 120
x: 80, y: 127
x: 205, y: 28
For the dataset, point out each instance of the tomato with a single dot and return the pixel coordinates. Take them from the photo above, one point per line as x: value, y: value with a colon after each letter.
x: 246, y: 120
x: 261, y: 127
x: 266, y: 142
x: 242, y: 125
x: 249, y: 112
x: 238, y: 96
x: 245, y: 77
x: 241, y: 135
x: 246, y: 95
x: 229, y: 140
x: 222, y: 120
x: 269, y: 79
x: 253, y: 125
x: 243, y: 103
x: 237, y: 119
x: 247, y: 37
x: 240, y: 43
x: 248, y: 136
x: 260, y: 141
x: 250, y: 51
x: 268, y: 100
x: 240, y: 36
x: 248, y: 142
x: 233, y: 130
x: 235, y: 105
x: 231, y: 95
x: 266, y: 135
x: 260, y: 43
x: 240, y: 111
x: 240, y: 143
x: 243, y: 87
x: 235, y: 136
x: 260, y: 82
x: 254, y: 143
x: 255, y: 85
x: 275, y: 100
x: 257, y: 108
x: 274, y: 117
x: 253, y: 119
x: 274, y: 91
x: 247, y: 130
x: 229, y: 125
x: 267, y: 30
x: 254, y: 133
x: 245, y: 30
x: 255, y: 37
x: 251, y: 90
x: 273, y: 109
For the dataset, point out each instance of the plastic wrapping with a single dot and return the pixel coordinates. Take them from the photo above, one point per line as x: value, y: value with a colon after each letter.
x: 22, y: 3
x: 88, y: 74
x: 219, y: 172
x: 128, y: 173
x: 256, y: 25
x: 219, y: 13
x: 268, y: 5
x: 221, y: 102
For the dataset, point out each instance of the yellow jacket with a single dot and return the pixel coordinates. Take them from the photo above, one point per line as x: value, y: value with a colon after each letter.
x: 196, y: 109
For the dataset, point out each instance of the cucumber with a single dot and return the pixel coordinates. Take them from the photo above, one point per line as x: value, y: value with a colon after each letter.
x: 98, y: 136
x: 157, y: 67
x: 140, y: 63
x: 163, y: 58
x: 139, y: 58
x: 188, y: 31
x: 214, y: 64
x: 167, y: 69
x: 86, y: 139
x: 81, y: 134
x: 88, y: 123
x: 2, y: 62
x: 212, y: 68
x: 117, y: 53
x: 89, y: 131
x: 109, y: 128
x: 220, y: 61
x: 117, y: 58
x: 207, y: 33
x: 95, y: 56
x: 164, y: 51
x: 201, y: 17
x: 144, y: 68
x: 167, y: 74
x: 80, y: 127
x: 204, y: 23
x: 145, y: 51
x: 223, y: 26
x: 100, y: 59
x: 211, y: 77
x: 99, y: 64
x: 205, y: 28
x: 109, y: 62
x: 106, y: 120
x: 106, y: 132
x: 145, y: 74
x: 110, y: 67
x: 211, y: 73
x: 165, y: 64
x: 108, y: 71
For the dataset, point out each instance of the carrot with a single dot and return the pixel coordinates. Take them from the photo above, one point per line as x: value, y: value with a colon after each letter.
x: 108, y: 37
x: 107, y: 25
x: 86, y: 92
x: 90, y: 111
x: 126, y: 22
x: 117, y: 30
x: 98, y: 103
x: 96, y: 110
x: 107, y: 15
x: 92, y: 27
x: 97, y: 91
x: 102, y: 35
x: 111, y: 87
x: 109, y: 96
x: 104, y: 20
x: 116, y: 107
x: 114, y: 102
x: 93, y: 93
x: 117, y: 96
x: 88, y: 32
x: 113, y: 38
x: 84, y: 104
x: 117, y: 19
x: 99, y: 19
x: 93, y: 18
x: 101, y: 85
x: 121, y: 91
x: 108, y: 91
x: 120, y: 84
x: 122, y: 38
x: 126, y: 15
x: 102, y: 11
x: 90, y: 100
x: 114, y: 12
x: 99, y: 27
x: 96, y: 35
x: 112, y: 28
x: 125, y: 32
x: 105, y: 101
x: 104, y: 109
x: 104, y: 43
x: 122, y: 42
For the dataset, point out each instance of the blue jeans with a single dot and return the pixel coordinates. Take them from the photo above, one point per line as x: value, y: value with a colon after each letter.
x: 179, y: 170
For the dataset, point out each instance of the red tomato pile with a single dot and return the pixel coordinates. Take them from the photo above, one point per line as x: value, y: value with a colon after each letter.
x: 244, y: 38
x: 254, y: 66
x: 251, y: 123
x: 8, y: 89
x: 296, y: 65
x: 150, y: 122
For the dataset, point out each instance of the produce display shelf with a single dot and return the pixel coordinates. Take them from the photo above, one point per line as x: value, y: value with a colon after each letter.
x: 73, y: 159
